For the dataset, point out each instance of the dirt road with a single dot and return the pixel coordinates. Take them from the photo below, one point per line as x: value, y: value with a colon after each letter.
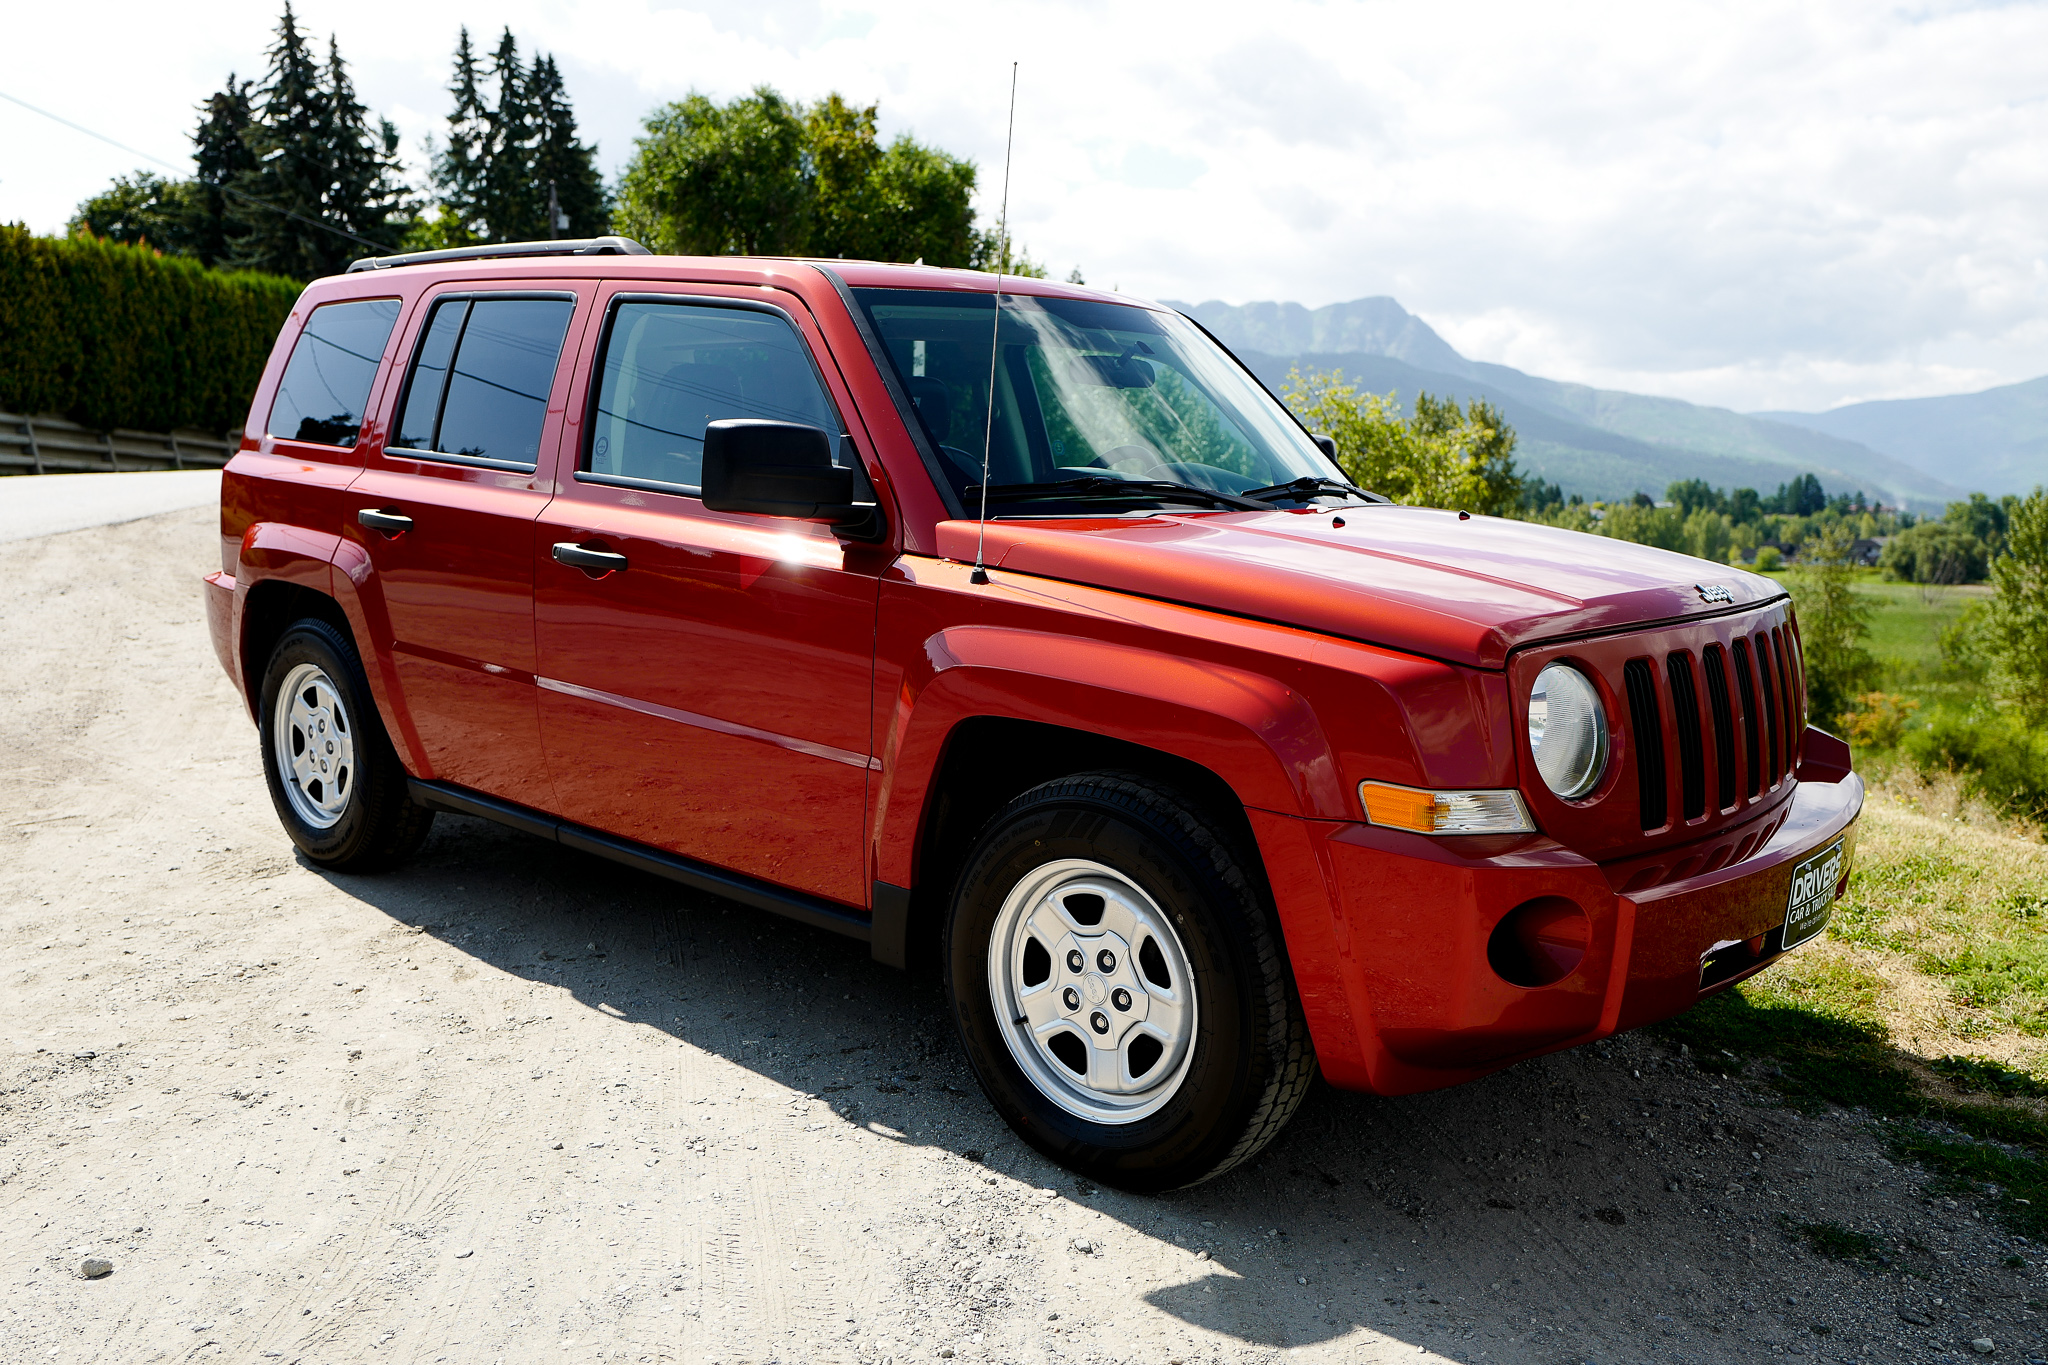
x: 515, y: 1104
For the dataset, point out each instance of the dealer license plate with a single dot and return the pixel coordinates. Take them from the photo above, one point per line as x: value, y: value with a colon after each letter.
x: 1812, y: 900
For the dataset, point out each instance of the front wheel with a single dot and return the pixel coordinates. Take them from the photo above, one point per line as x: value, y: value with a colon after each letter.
x: 1120, y: 986
x: 337, y: 784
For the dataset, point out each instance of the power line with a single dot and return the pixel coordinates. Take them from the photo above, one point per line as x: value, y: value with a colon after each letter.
x: 224, y: 189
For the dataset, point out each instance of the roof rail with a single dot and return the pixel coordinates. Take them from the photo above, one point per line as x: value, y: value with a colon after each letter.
x: 582, y: 246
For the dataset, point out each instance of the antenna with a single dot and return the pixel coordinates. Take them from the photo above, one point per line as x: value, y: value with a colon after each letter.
x: 995, y: 329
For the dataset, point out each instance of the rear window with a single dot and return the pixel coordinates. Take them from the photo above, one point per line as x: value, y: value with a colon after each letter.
x: 321, y: 397
x: 480, y: 383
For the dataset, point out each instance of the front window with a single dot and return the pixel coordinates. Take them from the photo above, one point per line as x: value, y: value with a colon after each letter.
x: 1088, y: 396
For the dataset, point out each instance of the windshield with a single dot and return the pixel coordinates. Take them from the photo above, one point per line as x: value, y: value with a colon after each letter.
x: 1086, y: 394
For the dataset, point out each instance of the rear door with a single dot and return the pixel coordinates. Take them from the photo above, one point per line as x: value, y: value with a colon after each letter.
x: 445, y: 512
x: 704, y: 685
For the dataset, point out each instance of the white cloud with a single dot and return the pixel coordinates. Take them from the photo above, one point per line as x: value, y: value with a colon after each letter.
x: 1744, y: 203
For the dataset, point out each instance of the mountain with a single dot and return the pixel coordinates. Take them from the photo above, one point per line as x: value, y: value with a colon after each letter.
x: 1600, y: 443
x: 1996, y: 440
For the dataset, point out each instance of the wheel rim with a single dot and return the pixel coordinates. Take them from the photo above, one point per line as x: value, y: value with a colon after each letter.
x: 315, y: 745
x: 1093, y: 991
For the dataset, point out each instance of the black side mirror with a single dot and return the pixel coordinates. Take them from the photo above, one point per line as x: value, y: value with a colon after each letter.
x: 779, y: 469
x: 1326, y: 444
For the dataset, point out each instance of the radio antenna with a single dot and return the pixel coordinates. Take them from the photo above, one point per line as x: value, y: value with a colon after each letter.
x: 980, y: 574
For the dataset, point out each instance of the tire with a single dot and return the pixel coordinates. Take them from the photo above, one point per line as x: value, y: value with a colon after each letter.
x: 354, y: 814
x: 1160, y: 929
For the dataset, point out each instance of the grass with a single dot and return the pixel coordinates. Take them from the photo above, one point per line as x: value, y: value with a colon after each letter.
x: 1925, y: 1005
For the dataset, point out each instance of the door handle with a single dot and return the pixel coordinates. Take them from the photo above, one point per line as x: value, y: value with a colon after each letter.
x: 390, y: 523
x: 596, y: 563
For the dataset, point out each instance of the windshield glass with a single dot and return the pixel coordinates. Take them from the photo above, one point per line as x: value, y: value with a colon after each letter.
x: 1084, y: 390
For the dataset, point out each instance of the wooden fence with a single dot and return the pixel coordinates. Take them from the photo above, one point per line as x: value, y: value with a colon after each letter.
x: 52, y: 445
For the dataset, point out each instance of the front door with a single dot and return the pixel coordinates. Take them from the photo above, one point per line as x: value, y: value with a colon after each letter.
x: 703, y: 676
x: 445, y: 512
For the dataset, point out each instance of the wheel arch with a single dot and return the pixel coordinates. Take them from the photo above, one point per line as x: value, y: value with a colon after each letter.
x: 990, y: 760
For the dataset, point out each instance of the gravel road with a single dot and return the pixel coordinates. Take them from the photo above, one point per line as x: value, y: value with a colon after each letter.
x: 516, y: 1104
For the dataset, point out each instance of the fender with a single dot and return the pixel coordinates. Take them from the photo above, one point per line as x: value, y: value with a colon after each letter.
x: 1258, y: 735
x: 361, y: 597
x: 273, y: 552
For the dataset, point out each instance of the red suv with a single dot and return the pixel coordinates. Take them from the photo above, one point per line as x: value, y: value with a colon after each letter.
x: 1023, y: 632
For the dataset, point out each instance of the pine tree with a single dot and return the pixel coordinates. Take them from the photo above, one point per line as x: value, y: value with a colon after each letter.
x: 562, y: 165
x: 463, y: 165
x: 365, y: 191
x: 513, y: 208
x: 292, y: 171
x: 220, y: 152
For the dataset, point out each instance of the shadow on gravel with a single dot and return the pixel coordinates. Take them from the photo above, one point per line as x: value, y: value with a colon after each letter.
x: 1634, y: 1199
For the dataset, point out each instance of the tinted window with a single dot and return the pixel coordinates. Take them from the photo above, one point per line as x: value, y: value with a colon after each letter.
x: 325, y: 386
x: 480, y: 383
x: 672, y: 368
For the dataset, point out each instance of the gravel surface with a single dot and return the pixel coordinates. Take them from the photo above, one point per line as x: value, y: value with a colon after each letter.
x: 513, y: 1103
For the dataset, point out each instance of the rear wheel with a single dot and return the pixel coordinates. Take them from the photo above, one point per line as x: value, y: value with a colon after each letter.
x: 337, y: 784
x: 1120, y: 986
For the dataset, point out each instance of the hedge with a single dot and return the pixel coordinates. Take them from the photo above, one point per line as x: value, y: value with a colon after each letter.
x: 117, y: 336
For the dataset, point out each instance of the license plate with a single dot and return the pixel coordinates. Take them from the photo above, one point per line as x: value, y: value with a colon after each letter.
x: 1812, y: 898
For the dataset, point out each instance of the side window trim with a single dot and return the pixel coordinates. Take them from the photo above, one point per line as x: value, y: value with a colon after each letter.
x: 584, y: 474
x: 466, y: 297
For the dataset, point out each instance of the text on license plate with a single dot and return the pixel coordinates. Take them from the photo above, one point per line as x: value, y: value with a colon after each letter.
x: 1812, y: 898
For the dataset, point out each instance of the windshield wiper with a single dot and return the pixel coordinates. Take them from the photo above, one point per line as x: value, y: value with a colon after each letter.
x: 1308, y: 488
x: 1108, y: 487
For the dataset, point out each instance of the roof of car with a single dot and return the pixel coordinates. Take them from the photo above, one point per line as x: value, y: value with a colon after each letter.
x: 598, y: 257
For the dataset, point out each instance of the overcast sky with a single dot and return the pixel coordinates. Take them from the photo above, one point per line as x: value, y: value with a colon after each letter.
x: 1784, y: 205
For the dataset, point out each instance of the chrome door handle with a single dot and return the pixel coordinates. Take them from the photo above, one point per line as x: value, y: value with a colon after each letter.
x: 390, y: 523
x: 591, y: 561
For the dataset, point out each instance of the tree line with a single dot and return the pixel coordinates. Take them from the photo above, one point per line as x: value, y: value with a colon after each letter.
x: 293, y: 176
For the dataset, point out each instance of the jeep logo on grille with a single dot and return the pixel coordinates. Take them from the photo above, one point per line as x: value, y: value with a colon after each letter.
x: 1714, y: 592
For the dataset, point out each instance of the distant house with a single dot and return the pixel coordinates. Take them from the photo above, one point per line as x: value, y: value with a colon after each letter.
x: 1866, y: 552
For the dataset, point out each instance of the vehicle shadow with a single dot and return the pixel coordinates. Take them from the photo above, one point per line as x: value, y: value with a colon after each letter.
x: 1602, y: 1204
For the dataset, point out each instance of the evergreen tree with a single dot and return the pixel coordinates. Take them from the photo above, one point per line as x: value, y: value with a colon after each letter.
x: 292, y: 172
x: 460, y: 168
x: 365, y: 193
x: 220, y: 152
x: 562, y: 166
x: 512, y: 210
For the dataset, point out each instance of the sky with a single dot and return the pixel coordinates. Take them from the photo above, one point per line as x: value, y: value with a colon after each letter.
x: 1758, y: 206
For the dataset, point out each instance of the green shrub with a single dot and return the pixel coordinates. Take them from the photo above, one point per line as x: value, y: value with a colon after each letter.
x: 1769, y: 559
x: 118, y: 336
x: 2001, y: 759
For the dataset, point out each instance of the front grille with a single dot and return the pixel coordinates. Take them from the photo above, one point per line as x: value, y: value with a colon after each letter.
x: 1743, y: 739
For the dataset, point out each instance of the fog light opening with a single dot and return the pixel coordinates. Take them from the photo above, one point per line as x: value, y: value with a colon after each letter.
x: 1539, y: 942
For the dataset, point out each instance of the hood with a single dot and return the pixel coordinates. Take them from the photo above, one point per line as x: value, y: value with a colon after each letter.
x: 1411, y: 578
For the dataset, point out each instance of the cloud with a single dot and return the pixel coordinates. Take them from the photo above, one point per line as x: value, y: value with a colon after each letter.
x: 1743, y: 202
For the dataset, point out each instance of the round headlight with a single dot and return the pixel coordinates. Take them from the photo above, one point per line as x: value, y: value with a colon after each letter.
x: 1567, y: 730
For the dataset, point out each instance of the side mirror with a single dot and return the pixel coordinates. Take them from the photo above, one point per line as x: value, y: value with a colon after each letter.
x: 778, y: 469
x: 1326, y: 444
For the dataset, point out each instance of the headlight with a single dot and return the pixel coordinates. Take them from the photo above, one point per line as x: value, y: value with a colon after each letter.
x: 1567, y: 730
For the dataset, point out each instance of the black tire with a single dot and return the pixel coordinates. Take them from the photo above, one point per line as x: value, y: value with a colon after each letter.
x: 366, y: 820
x: 1249, y: 1061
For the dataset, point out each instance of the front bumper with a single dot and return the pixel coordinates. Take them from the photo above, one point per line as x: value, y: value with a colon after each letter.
x: 1388, y: 934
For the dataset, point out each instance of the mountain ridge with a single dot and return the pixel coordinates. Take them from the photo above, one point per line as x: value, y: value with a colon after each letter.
x: 1599, y: 443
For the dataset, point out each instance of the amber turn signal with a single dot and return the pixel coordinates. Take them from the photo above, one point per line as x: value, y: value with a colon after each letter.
x: 1439, y: 812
